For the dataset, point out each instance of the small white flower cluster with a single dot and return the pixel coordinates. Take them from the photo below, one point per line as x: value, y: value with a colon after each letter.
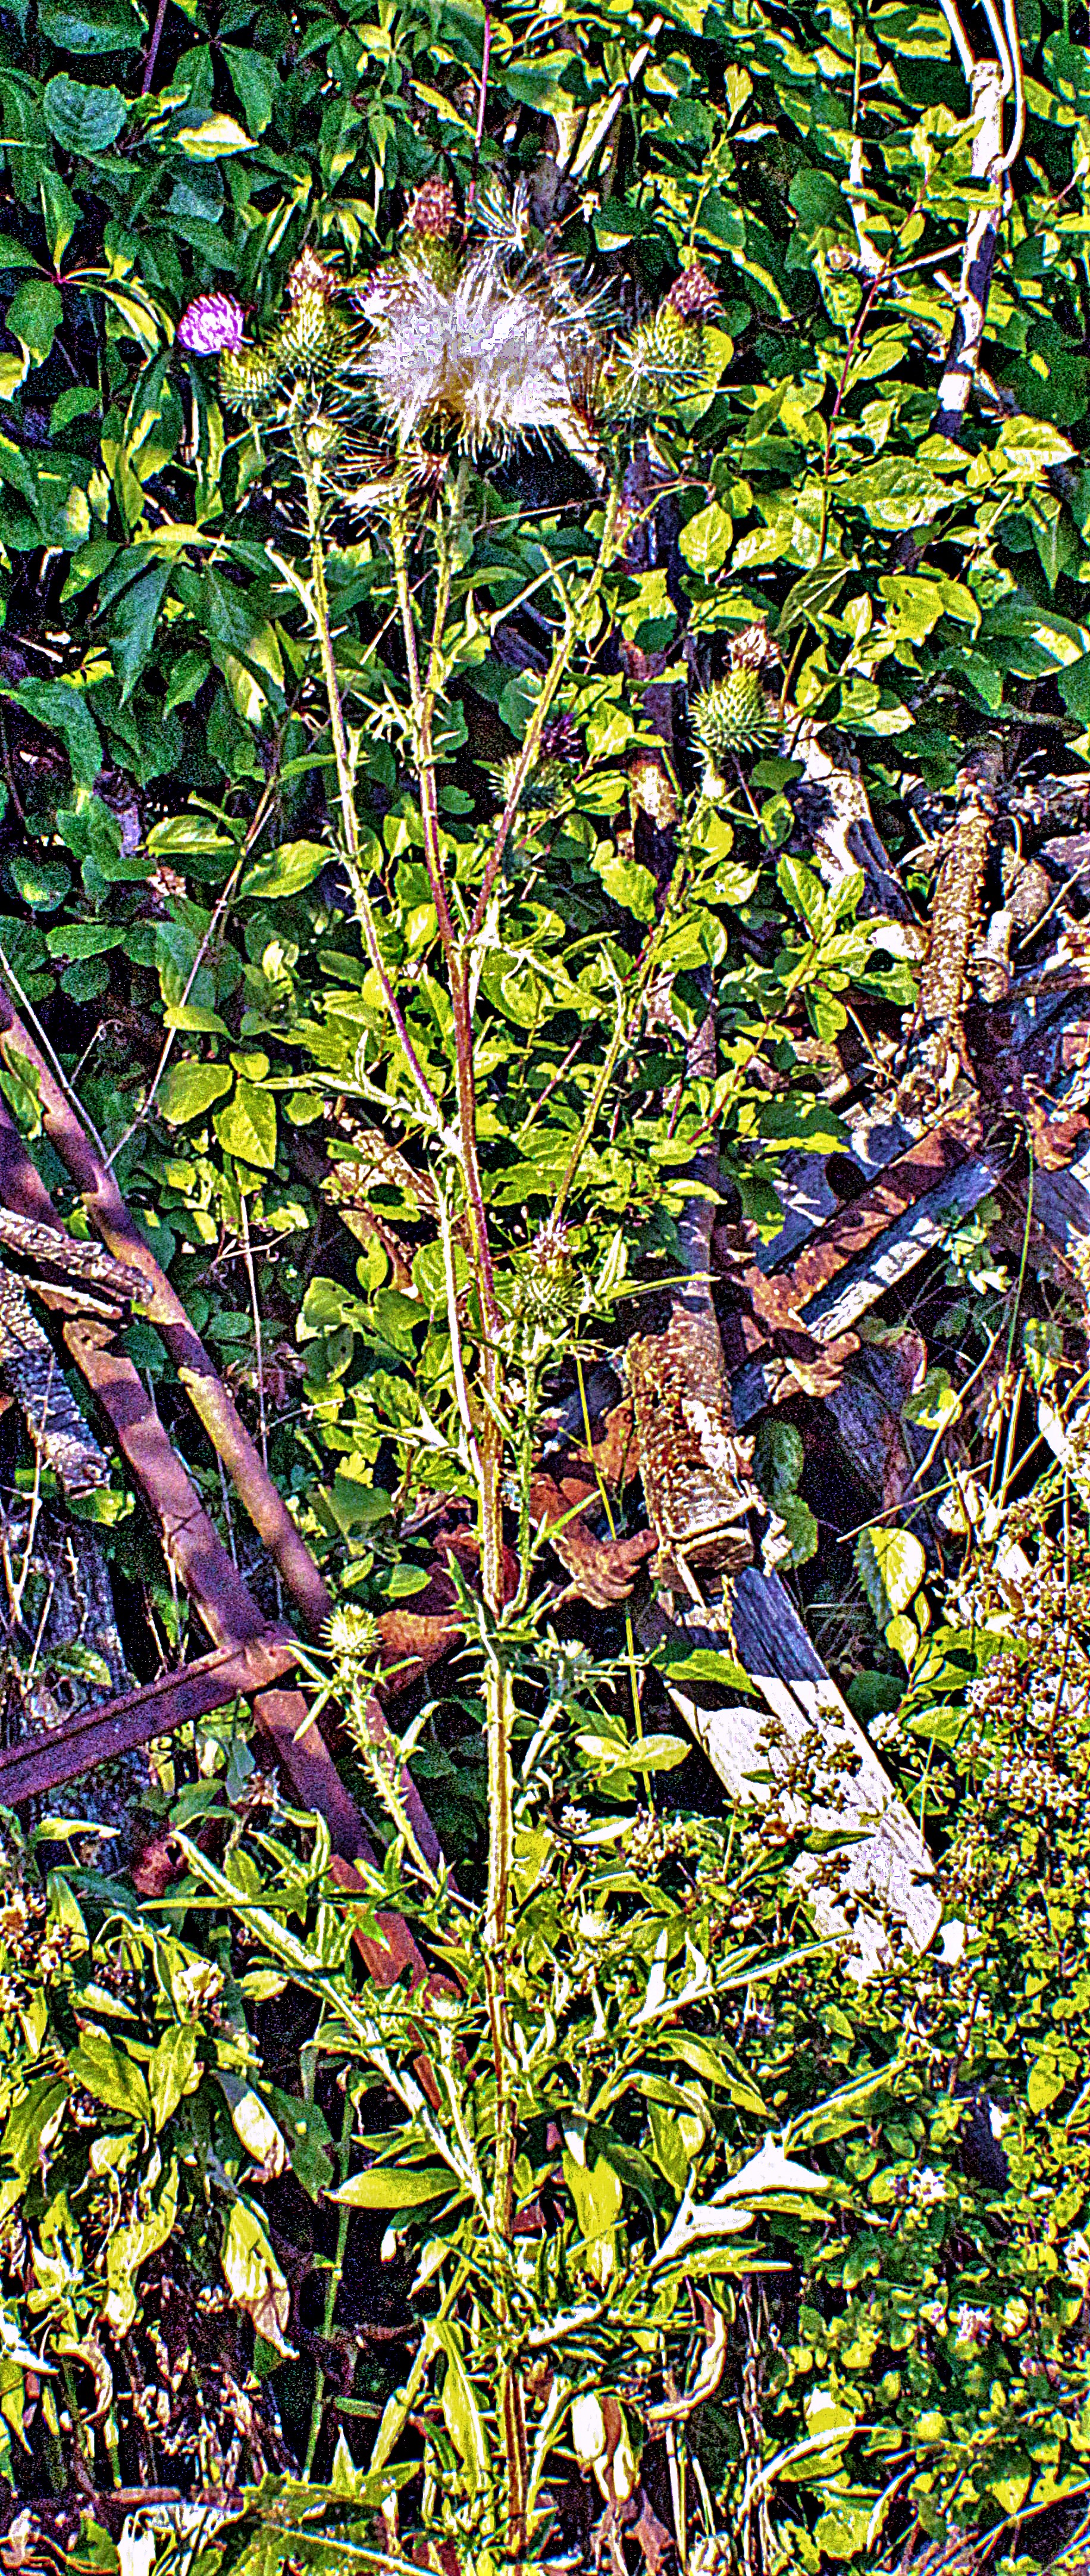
x: 926, y: 2188
x: 972, y: 2325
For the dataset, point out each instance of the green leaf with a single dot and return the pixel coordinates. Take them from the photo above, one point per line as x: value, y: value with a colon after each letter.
x: 42, y: 882
x: 247, y: 1127
x: 286, y: 871
x: 892, y: 1565
x: 110, y: 2075
x: 778, y: 1459
x: 705, y: 540
x: 461, y: 2413
x: 28, y: 2123
x: 186, y: 676
x: 256, y: 81
x: 189, y: 1090
x: 82, y: 119
x: 645, y: 1753
x: 63, y: 710
x: 113, y: 28
x: 395, y: 2187
x: 706, y: 1665
x: 627, y: 881
x: 170, y: 2070
x: 254, y: 2277
x: 1046, y: 2083
x: 133, y: 630
x: 84, y: 939
x: 34, y: 316
x: 212, y: 138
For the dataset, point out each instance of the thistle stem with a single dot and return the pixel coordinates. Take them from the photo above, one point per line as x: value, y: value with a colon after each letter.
x: 318, y: 604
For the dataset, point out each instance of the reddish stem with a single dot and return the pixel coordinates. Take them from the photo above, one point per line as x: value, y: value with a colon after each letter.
x: 486, y: 53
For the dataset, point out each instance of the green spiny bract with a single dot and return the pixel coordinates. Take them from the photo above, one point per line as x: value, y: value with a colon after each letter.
x: 544, y: 787
x: 666, y: 357
x: 312, y: 343
x: 548, y: 1286
x: 732, y: 717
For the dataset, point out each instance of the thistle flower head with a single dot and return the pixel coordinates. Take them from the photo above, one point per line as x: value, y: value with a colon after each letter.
x: 753, y: 649
x: 351, y: 1632
x: 551, y: 1248
x: 693, y: 295
x: 561, y: 739
x: 308, y: 275
x: 212, y: 323
x: 484, y: 362
x: 433, y: 211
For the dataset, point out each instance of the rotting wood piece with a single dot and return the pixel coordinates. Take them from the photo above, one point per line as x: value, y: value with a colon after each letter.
x: 30, y: 1369
x: 885, y: 1867
x: 211, y: 1400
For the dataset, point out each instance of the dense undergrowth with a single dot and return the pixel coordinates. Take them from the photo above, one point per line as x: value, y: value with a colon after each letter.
x: 452, y: 468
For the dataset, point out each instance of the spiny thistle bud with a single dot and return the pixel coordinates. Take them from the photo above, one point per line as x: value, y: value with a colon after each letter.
x: 433, y: 212
x: 693, y: 295
x: 732, y: 717
x: 247, y: 378
x: 308, y: 275
x: 543, y: 788
x: 548, y: 1283
x: 210, y: 324
x: 352, y: 1632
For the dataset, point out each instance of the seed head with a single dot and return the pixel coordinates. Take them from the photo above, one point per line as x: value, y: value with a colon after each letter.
x: 483, y: 361
x: 693, y: 295
x: 211, y: 323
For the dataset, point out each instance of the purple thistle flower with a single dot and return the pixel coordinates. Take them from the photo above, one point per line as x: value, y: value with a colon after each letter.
x: 212, y: 322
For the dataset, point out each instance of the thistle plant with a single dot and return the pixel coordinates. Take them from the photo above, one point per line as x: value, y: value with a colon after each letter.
x: 735, y: 715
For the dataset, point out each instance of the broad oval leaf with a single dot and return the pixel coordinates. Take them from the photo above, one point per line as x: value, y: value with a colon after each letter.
x: 189, y: 1090
x: 247, y: 1127
x: 80, y: 118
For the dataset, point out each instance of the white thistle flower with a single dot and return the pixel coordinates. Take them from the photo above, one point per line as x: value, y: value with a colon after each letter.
x: 482, y: 360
